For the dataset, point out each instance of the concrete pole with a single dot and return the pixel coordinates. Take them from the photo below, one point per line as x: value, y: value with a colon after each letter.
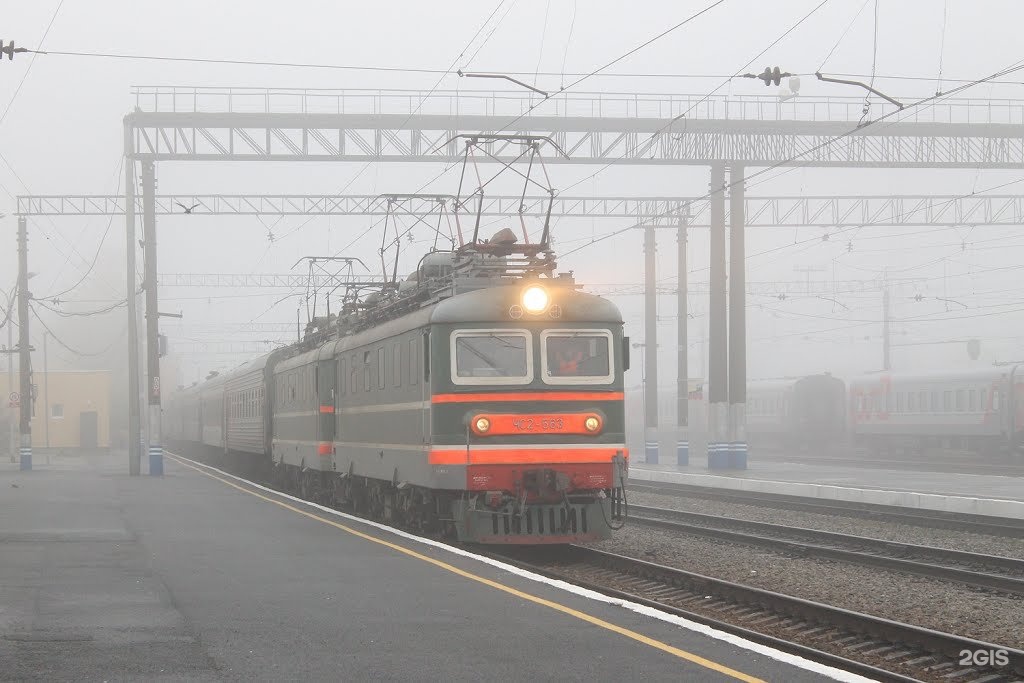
x: 737, y: 322
x: 886, y: 331
x: 24, y: 359
x: 46, y: 396
x: 156, y: 449
x: 718, y: 370
x: 12, y: 431
x: 134, y: 429
x: 651, y: 346
x: 682, y: 342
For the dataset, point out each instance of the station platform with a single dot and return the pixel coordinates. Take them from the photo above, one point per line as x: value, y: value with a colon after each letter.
x: 982, y: 494
x: 202, y: 577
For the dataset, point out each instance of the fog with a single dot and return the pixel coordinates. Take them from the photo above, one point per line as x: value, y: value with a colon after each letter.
x: 61, y: 133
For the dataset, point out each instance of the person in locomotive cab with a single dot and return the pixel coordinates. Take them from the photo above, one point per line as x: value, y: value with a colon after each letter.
x: 569, y: 362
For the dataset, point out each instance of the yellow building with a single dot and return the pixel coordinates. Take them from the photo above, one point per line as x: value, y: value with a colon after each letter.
x: 72, y: 409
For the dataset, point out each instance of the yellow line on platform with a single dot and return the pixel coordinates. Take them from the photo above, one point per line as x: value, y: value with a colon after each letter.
x: 583, y: 616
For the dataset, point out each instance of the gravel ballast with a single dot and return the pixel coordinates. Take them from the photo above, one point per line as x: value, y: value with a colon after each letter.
x: 948, y: 607
x: 901, y: 533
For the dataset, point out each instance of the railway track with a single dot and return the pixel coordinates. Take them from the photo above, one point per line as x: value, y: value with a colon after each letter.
x: 993, y: 572
x: 979, y: 524
x: 875, y: 647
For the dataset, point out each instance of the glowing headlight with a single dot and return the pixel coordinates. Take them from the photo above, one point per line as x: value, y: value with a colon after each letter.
x: 592, y: 424
x: 535, y: 299
x: 482, y: 424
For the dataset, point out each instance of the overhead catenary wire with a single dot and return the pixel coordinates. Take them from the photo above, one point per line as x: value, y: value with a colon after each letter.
x: 31, y: 63
x: 796, y: 157
x: 117, y: 338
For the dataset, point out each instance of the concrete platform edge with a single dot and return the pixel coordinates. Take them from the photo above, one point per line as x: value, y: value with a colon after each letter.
x: 993, y: 507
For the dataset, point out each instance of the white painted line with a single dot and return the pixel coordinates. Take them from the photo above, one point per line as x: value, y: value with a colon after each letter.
x: 785, y: 657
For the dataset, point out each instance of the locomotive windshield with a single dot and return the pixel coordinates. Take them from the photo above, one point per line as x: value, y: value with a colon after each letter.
x: 577, y: 356
x: 484, y: 357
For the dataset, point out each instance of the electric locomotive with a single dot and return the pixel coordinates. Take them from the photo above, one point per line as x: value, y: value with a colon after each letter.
x: 482, y: 397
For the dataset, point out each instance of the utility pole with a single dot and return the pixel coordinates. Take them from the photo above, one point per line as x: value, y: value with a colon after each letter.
x: 12, y: 438
x: 156, y: 449
x: 682, y: 342
x: 46, y: 397
x: 134, y: 431
x: 651, y: 343
x: 886, y: 332
x: 24, y: 359
x: 718, y: 330
x: 737, y: 322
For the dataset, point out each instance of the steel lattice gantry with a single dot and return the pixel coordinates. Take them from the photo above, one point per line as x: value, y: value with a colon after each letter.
x: 352, y: 205
x: 820, y: 211
x: 592, y: 128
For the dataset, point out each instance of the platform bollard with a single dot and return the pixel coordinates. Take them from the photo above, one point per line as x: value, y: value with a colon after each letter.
x: 156, y: 461
x: 682, y: 452
x: 718, y: 456
x: 738, y: 455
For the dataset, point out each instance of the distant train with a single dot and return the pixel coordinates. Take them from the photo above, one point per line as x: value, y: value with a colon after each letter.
x: 804, y: 413
x: 979, y: 411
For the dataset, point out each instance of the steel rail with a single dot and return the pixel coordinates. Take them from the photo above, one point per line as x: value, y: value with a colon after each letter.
x: 935, y: 519
x: 928, y: 561
x: 883, y: 648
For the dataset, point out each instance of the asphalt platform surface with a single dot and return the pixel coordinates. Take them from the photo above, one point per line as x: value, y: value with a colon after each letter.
x: 106, y: 577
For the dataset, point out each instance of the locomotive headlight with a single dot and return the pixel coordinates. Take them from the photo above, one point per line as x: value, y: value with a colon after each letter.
x: 482, y: 425
x: 592, y: 423
x: 535, y: 299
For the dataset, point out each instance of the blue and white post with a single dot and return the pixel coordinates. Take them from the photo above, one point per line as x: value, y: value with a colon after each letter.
x: 682, y: 350
x: 737, y: 323
x: 718, y: 369
x: 156, y: 448
x: 650, y: 349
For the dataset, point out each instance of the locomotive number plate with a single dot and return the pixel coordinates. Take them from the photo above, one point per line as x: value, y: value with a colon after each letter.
x: 508, y: 424
x: 539, y: 424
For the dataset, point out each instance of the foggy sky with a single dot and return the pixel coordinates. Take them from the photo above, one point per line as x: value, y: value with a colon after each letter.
x: 63, y: 135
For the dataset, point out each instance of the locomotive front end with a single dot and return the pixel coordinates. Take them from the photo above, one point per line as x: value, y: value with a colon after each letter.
x: 528, y: 412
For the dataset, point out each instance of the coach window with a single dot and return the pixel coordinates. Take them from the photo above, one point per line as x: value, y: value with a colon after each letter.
x: 366, y: 370
x: 414, y: 354
x: 899, y: 402
x: 947, y: 401
x: 342, y: 378
x: 911, y: 405
x: 577, y: 356
x: 971, y: 400
x: 500, y: 356
x: 960, y: 407
x: 396, y: 360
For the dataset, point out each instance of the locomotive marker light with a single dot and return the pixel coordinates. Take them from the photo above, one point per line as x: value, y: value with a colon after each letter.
x: 535, y: 299
x: 592, y: 423
x: 482, y: 425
